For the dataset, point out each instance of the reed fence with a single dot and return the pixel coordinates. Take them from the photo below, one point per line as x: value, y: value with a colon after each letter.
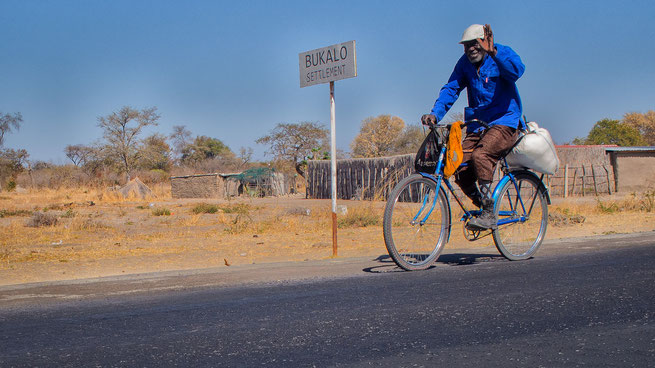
x: 374, y: 178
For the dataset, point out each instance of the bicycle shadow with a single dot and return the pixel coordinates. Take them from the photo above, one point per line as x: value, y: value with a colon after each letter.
x: 455, y: 259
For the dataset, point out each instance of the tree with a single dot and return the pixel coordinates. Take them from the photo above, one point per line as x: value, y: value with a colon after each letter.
x: 181, y: 137
x: 12, y: 163
x: 644, y: 123
x: 609, y: 131
x: 79, y: 154
x: 245, y: 156
x: 155, y: 153
x: 121, y: 131
x: 204, y: 148
x: 294, y: 142
x: 409, y: 140
x: 377, y: 136
x: 8, y: 123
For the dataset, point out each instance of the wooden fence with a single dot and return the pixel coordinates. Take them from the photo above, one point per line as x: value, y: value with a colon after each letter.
x: 582, y: 180
x: 362, y: 179
x: 374, y: 178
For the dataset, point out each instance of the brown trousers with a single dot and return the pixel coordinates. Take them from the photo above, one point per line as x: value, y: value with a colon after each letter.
x: 482, y: 152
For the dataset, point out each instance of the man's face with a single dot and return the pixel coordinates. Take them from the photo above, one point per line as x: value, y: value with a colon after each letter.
x: 473, y: 51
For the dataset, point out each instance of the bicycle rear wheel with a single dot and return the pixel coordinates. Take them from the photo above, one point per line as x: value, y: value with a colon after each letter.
x: 522, y: 211
x: 416, y: 222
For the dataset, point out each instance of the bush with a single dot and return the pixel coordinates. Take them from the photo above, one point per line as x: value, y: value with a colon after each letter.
x: 9, y: 213
x: 205, y: 208
x: 239, y: 208
x: 40, y: 219
x: 162, y: 211
x: 359, y: 217
x: 645, y: 202
x: 69, y: 213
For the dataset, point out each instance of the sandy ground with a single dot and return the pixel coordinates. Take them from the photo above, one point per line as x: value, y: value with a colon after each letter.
x: 97, y: 238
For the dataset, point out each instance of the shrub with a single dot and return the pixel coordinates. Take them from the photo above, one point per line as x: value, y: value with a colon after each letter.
x: 9, y: 213
x: 205, y: 208
x: 11, y: 186
x: 609, y: 208
x: 69, y: 213
x: 644, y: 202
x: 40, y: 219
x: 649, y: 201
x: 238, y: 208
x: 359, y: 217
x: 239, y: 225
x: 162, y: 211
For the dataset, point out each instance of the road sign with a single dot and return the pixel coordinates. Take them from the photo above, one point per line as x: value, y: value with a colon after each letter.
x: 328, y: 64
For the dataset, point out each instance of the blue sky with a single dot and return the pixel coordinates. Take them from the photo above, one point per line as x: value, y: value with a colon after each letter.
x: 229, y: 69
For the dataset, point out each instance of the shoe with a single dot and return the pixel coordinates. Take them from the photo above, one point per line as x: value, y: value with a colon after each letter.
x: 486, y: 219
x: 475, y: 197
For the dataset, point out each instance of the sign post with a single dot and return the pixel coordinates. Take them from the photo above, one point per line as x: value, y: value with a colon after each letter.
x: 324, y: 65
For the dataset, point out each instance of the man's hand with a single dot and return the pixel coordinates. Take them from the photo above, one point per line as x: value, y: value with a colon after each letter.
x: 428, y: 119
x: 487, y: 43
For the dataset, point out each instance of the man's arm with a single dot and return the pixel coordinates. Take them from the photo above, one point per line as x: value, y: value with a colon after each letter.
x: 509, y: 63
x: 449, y: 93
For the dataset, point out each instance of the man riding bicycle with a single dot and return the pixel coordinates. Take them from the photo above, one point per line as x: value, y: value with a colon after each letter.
x: 489, y: 73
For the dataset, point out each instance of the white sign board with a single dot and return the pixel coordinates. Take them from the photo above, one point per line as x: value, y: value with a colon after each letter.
x: 328, y: 64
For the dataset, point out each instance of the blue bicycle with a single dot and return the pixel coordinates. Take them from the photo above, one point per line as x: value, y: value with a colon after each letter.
x: 417, y: 217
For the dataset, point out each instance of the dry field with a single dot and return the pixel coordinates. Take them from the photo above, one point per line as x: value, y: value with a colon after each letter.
x: 50, y: 235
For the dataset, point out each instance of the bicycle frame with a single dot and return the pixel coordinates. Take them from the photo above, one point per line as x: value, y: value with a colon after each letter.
x: 518, y: 211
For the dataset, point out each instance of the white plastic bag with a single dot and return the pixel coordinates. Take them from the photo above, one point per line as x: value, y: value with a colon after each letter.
x: 535, y: 151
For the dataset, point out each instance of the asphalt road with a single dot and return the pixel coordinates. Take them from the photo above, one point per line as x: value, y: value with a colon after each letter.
x: 578, y: 303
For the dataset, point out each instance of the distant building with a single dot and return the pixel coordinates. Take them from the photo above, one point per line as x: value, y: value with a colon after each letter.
x: 634, y: 167
x: 258, y: 182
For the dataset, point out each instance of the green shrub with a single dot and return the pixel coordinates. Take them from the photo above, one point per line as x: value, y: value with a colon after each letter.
x: 69, y: 213
x: 238, y: 208
x: 161, y: 211
x: 205, y: 208
x: 8, y: 213
x: 609, y: 208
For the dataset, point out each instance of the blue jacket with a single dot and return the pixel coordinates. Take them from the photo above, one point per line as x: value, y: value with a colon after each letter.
x: 492, y: 94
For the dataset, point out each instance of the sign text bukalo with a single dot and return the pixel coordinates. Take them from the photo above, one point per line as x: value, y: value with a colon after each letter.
x: 328, y: 64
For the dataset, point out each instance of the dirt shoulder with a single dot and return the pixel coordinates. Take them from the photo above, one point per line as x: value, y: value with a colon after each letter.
x: 99, y: 237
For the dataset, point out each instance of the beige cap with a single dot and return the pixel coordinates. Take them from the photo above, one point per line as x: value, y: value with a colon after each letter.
x: 473, y: 32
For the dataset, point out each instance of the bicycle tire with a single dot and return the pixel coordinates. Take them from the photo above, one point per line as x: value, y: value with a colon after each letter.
x: 520, y: 240
x: 414, y: 244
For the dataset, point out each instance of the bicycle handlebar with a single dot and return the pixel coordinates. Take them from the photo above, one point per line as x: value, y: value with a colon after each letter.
x: 466, y: 123
x: 478, y: 121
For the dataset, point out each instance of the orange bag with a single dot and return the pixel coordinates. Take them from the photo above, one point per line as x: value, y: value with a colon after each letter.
x: 454, y: 154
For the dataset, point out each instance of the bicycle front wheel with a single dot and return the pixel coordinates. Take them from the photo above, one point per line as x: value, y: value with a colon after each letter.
x: 522, y: 211
x: 416, y: 222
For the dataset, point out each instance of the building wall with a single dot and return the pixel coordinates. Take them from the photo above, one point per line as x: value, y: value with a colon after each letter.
x: 225, y: 186
x: 198, y: 186
x: 582, y: 155
x: 634, y: 171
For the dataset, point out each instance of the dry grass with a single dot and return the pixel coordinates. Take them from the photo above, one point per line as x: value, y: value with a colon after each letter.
x: 97, y: 225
